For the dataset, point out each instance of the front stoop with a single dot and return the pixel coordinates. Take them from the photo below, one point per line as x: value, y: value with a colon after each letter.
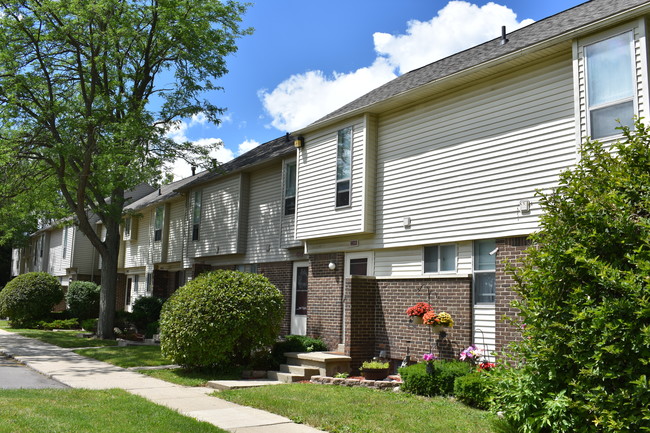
x: 304, y: 365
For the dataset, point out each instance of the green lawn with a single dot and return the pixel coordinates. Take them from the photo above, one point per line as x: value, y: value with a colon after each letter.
x: 79, y: 410
x: 339, y: 409
x: 59, y: 338
x: 184, y: 377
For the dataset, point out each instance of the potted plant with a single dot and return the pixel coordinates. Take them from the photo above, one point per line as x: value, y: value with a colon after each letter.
x: 438, y: 321
x: 417, y: 312
x: 374, y: 370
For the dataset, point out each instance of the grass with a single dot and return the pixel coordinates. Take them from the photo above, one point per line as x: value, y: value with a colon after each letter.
x: 339, y: 409
x: 66, y: 339
x: 127, y: 356
x: 80, y: 410
x: 185, y: 377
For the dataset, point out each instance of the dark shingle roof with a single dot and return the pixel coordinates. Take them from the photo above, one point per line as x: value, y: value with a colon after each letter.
x: 541, y: 31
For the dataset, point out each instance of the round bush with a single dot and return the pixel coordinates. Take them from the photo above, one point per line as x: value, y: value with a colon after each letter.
x: 29, y: 297
x: 416, y: 379
x: 474, y: 389
x: 220, y: 318
x: 146, y: 311
x: 83, y: 299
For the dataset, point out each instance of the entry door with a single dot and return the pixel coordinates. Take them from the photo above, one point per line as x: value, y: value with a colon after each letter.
x: 127, y: 300
x: 299, y: 298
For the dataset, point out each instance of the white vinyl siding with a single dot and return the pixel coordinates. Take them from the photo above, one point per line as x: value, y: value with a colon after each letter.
x: 220, y: 219
x: 59, y: 253
x: 485, y: 328
x: 408, y: 262
x: 176, y: 223
x: 84, y: 256
x: 640, y: 61
x: 138, y: 250
x: 316, y: 212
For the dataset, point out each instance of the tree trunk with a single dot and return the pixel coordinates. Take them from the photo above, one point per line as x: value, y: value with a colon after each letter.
x: 109, y: 282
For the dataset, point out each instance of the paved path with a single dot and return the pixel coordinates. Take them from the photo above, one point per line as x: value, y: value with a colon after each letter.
x: 14, y: 375
x: 78, y: 371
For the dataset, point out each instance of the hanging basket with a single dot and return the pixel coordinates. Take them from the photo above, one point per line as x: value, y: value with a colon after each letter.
x: 416, y: 320
x: 438, y: 328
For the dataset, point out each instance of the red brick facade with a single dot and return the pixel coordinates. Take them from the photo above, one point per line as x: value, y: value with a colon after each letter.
x: 280, y: 274
x: 325, y: 299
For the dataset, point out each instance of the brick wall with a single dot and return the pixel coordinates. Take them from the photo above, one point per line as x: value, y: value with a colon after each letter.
x: 361, y: 297
x: 511, y: 251
x: 325, y: 298
x: 280, y: 275
x: 395, y: 334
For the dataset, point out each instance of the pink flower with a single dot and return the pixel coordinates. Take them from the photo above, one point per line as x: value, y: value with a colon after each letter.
x: 429, y: 356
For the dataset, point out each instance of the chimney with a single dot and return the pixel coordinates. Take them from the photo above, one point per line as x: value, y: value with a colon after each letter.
x: 193, y: 170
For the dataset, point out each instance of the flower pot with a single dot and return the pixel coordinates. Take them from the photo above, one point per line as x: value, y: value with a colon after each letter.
x: 437, y: 328
x: 416, y: 320
x: 375, y: 373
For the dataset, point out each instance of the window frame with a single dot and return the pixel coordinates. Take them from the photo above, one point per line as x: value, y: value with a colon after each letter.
x: 289, y: 199
x: 370, y: 263
x: 196, y: 216
x: 158, y: 231
x: 482, y: 272
x: 633, y: 98
x: 64, y: 253
x: 439, y: 259
x: 343, y: 184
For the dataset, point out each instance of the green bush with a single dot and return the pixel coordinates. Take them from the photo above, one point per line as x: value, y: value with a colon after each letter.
x: 82, y: 298
x: 58, y: 324
x: 89, y: 325
x: 474, y: 389
x: 220, y: 318
x: 29, y: 298
x: 416, y: 379
x: 146, y: 310
x: 585, y: 300
x: 295, y: 343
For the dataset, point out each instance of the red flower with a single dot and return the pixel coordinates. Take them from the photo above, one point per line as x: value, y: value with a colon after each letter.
x: 418, y: 309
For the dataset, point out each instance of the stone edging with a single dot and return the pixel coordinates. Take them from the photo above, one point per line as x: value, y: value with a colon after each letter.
x: 376, y: 384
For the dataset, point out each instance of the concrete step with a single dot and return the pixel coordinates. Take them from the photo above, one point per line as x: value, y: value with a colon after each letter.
x: 222, y: 385
x: 285, y: 377
x: 328, y: 363
x: 300, y: 370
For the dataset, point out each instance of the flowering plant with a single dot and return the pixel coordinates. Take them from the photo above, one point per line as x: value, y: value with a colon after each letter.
x: 472, y: 354
x: 486, y: 366
x: 429, y: 357
x: 440, y: 319
x: 418, y: 309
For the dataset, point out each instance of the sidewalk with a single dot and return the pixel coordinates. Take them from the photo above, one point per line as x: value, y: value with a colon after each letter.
x: 80, y: 372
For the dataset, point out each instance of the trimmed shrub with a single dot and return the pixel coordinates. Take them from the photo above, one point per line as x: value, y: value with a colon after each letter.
x: 220, y: 318
x: 89, y: 325
x: 58, y: 324
x: 440, y: 381
x: 146, y: 310
x: 82, y: 298
x: 29, y: 298
x: 295, y: 343
x: 474, y: 389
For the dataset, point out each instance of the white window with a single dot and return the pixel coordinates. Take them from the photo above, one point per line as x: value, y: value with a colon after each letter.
x: 440, y: 258
x: 485, y: 271
x: 251, y: 268
x: 196, y: 215
x: 610, y: 84
x: 343, y: 167
x: 127, y: 229
x: 65, y: 241
x: 360, y: 263
x: 290, y: 188
x: 158, y: 223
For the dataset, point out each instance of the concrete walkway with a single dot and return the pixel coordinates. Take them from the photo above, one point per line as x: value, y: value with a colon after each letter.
x: 80, y: 372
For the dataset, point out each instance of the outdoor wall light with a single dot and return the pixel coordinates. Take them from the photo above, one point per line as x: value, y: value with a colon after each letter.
x: 299, y: 141
x: 332, y: 266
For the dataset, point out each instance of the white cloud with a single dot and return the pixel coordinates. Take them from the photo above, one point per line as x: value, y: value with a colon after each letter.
x: 458, y: 26
x: 304, y: 98
x: 246, y: 146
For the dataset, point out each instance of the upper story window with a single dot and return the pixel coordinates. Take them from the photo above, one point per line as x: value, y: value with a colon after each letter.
x: 127, y: 229
x: 485, y: 271
x: 610, y: 84
x: 196, y: 215
x: 440, y: 258
x: 343, y: 167
x: 65, y: 241
x: 158, y: 223
x: 250, y: 268
x: 290, y: 188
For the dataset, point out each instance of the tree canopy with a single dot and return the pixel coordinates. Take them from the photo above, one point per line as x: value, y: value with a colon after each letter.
x: 88, y: 89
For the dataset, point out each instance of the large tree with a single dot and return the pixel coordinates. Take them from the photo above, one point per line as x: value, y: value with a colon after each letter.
x: 88, y: 89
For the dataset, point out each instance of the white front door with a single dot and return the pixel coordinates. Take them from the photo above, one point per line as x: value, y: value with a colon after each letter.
x: 299, y: 298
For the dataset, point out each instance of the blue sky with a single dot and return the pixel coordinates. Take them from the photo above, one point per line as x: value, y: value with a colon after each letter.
x: 307, y: 58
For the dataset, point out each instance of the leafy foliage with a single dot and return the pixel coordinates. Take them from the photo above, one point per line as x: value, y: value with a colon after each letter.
x: 145, y: 312
x: 220, y: 318
x: 88, y: 91
x: 585, y: 300
x: 58, y: 324
x: 29, y: 297
x: 82, y: 298
x: 439, y: 381
x: 474, y: 389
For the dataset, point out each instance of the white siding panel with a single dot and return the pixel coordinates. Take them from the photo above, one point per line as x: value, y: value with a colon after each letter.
x: 219, y: 219
x: 317, y: 215
x: 176, y: 225
x: 84, y: 254
x: 56, y: 265
x: 408, y: 262
x: 485, y: 328
x: 138, y: 250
